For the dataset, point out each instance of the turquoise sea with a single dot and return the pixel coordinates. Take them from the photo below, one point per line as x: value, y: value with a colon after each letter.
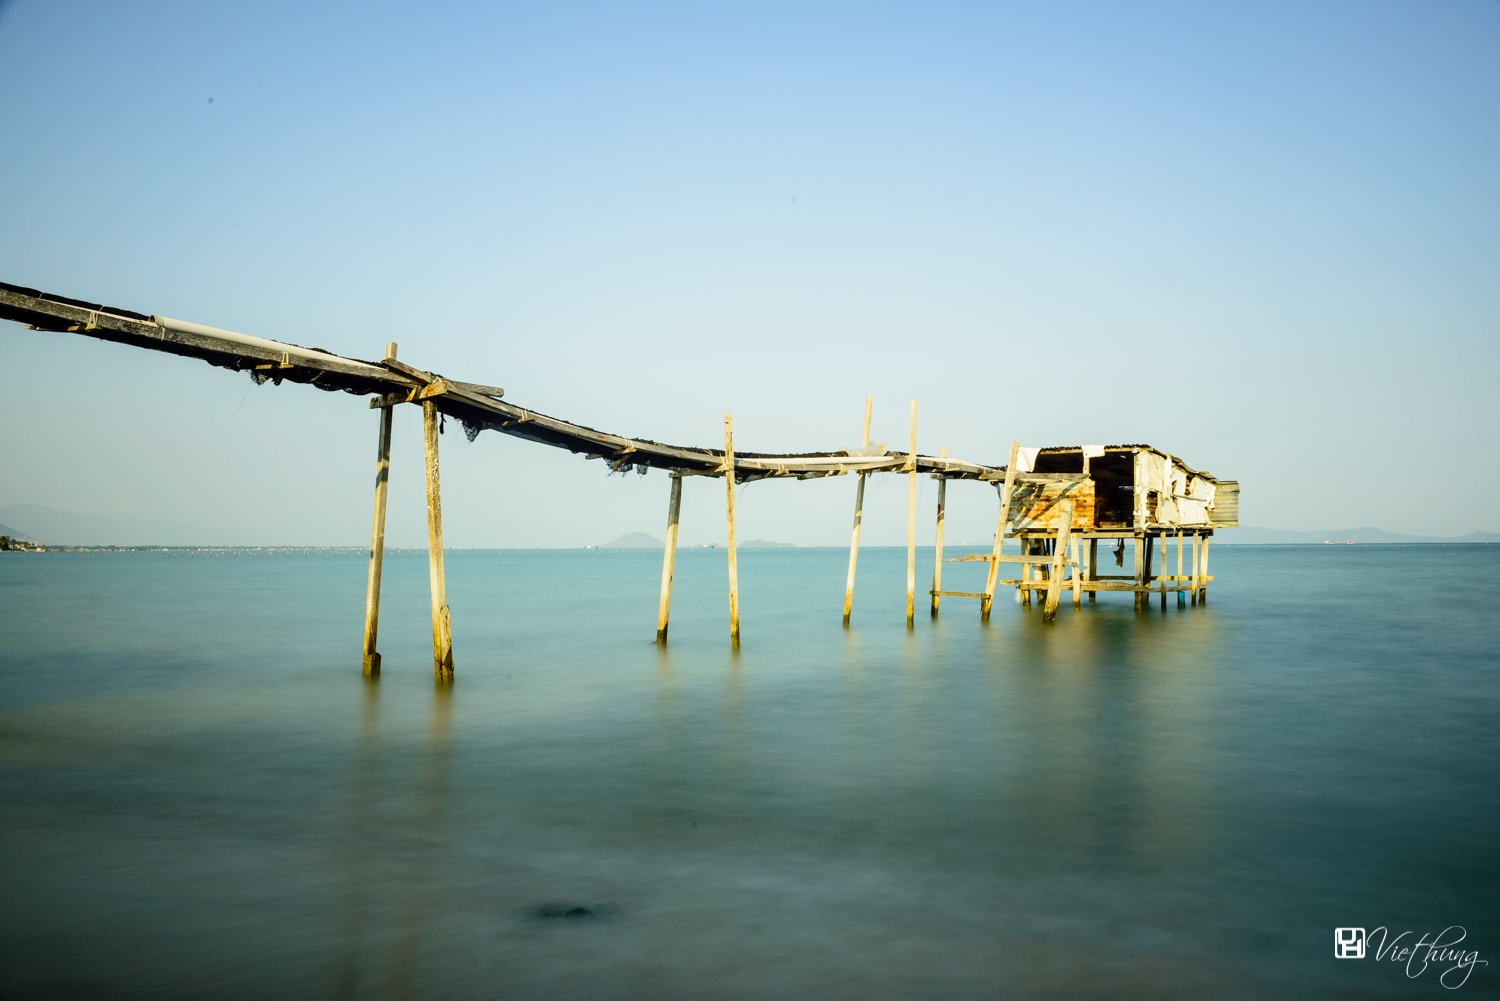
x: 202, y: 798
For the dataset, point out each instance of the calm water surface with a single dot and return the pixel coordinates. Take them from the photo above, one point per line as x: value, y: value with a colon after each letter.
x: 202, y: 797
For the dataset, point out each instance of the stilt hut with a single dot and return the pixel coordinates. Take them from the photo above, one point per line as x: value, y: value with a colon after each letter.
x: 1066, y: 496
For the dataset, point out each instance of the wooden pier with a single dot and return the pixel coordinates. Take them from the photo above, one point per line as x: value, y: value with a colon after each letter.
x: 1052, y: 500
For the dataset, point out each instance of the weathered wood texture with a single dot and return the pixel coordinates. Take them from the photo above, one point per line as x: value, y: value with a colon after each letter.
x: 1093, y: 570
x: 1203, y: 577
x: 1001, y: 524
x: 1197, y: 558
x: 937, y: 546
x: 859, y: 512
x: 734, y: 577
x: 377, y: 539
x: 1140, y: 572
x: 1077, y: 571
x: 1037, y: 503
x: 911, y: 525
x: 442, y: 634
x: 1059, y: 557
x: 1226, y: 512
x: 1180, y: 599
x: 669, y: 559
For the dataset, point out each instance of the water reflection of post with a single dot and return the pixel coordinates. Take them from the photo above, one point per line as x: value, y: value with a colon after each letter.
x: 732, y: 761
x: 430, y: 826
x: 668, y: 727
x: 359, y: 819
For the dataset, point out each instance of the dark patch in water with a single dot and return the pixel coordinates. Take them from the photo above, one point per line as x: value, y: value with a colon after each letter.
x: 571, y: 912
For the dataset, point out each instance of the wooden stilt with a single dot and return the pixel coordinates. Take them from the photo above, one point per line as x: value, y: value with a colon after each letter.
x: 911, y: 524
x: 734, y: 574
x: 1077, y: 569
x: 1029, y: 572
x: 937, y: 559
x: 1161, y: 572
x: 1140, y: 571
x: 1196, y: 575
x: 1093, y: 563
x: 1203, y: 572
x: 989, y: 585
x: 1059, y: 555
x: 442, y: 634
x: 1139, y: 545
x: 1181, y: 598
x: 859, y: 508
x: 669, y: 559
x: 377, y: 537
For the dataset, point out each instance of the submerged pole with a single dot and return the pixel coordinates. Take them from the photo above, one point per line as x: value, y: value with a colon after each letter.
x: 669, y: 559
x: 989, y: 585
x: 911, y: 524
x: 377, y: 535
x: 937, y: 558
x: 734, y: 579
x: 859, y: 508
x: 442, y: 636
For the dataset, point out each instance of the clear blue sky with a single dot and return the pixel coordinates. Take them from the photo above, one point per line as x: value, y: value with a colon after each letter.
x: 1261, y: 236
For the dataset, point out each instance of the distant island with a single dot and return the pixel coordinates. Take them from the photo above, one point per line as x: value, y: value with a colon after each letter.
x: 635, y: 540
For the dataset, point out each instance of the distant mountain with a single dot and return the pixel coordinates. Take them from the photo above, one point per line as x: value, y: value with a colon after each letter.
x: 1364, y: 536
x: 636, y: 540
x: 15, y: 534
x: 765, y: 544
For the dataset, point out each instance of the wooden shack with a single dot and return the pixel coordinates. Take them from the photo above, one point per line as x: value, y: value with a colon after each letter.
x: 1084, y: 493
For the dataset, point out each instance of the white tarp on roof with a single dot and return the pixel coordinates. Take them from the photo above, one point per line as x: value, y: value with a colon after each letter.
x: 872, y: 449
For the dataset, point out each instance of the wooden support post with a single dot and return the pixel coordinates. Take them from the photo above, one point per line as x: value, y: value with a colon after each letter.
x: 1027, y: 573
x: 989, y: 585
x: 1059, y: 556
x: 377, y: 536
x: 1162, y: 574
x: 1140, y: 571
x: 669, y: 559
x: 1181, y: 598
x: 937, y: 558
x: 911, y: 524
x: 1139, y: 524
x: 1203, y: 572
x: 859, y: 508
x: 1196, y: 574
x: 1093, y: 563
x: 734, y: 574
x: 1077, y: 569
x: 442, y: 635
